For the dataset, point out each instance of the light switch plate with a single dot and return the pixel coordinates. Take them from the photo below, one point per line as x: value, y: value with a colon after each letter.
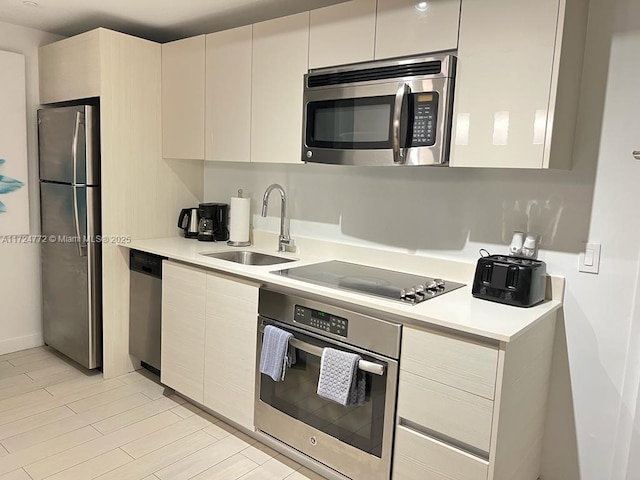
x: 590, y: 258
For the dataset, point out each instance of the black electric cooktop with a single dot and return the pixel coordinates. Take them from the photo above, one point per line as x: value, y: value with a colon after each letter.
x: 389, y: 284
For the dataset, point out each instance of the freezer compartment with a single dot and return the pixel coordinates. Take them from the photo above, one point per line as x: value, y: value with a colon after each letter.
x: 71, y: 271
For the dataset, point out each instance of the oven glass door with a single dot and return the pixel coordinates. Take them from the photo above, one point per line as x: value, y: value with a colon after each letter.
x: 351, y: 123
x: 360, y: 425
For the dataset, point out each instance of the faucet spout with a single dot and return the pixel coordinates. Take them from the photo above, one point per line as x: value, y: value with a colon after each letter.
x: 285, y: 244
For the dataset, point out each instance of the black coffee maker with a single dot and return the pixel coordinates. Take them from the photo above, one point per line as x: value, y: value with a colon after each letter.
x: 213, y: 224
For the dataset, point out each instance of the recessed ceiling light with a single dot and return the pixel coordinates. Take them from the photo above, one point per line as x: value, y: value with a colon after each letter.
x: 422, y: 6
x: 29, y: 3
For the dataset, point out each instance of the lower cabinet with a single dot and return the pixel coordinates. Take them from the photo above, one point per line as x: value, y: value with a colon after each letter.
x: 472, y: 408
x: 209, y: 334
x: 230, y: 353
x: 182, y: 346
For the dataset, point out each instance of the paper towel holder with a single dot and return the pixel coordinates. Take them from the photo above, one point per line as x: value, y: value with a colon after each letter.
x: 240, y: 244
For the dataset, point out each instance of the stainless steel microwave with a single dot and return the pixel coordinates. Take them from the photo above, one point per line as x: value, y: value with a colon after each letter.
x: 395, y: 112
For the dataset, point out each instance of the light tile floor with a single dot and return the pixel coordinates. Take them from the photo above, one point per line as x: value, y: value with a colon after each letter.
x: 61, y: 422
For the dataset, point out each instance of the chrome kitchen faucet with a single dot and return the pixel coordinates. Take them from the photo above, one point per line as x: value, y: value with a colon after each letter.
x: 285, y: 243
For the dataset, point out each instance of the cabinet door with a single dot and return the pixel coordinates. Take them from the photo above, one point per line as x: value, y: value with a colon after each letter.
x: 183, y: 72
x: 183, y: 324
x: 407, y: 27
x: 228, y: 103
x: 230, y: 357
x: 70, y: 69
x: 342, y: 33
x: 503, y: 85
x: 280, y: 60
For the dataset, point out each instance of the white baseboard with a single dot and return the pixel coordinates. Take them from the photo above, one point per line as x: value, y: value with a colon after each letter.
x: 16, y: 344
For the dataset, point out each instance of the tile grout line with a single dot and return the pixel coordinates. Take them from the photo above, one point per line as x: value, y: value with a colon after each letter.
x: 130, y: 456
x: 35, y: 427
x: 49, y: 456
x: 104, y: 405
x: 215, y: 440
x: 77, y: 414
x: 137, y: 421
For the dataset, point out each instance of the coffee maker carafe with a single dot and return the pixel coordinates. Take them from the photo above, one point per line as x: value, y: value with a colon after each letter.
x: 213, y: 222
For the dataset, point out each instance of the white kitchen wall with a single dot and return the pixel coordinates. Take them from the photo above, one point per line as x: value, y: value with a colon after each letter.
x: 20, y: 312
x: 453, y: 213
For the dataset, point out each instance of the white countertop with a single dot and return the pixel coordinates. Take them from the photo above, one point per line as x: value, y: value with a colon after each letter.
x: 457, y: 310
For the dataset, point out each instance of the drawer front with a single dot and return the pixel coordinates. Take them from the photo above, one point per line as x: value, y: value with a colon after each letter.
x: 419, y: 457
x: 446, y: 410
x: 459, y: 362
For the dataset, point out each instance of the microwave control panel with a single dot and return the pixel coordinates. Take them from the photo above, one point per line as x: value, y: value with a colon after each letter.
x: 321, y: 320
x: 425, y: 114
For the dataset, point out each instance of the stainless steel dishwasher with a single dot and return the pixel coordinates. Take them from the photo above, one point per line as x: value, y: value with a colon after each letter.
x: 145, y: 308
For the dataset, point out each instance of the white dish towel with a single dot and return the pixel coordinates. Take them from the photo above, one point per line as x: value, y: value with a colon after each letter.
x: 340, y: 379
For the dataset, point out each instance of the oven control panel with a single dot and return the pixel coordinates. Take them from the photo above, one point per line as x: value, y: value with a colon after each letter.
x: 321, y: 320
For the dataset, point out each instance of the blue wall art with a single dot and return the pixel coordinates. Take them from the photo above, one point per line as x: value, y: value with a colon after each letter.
x: 7, y: 185
x: 14, y: 185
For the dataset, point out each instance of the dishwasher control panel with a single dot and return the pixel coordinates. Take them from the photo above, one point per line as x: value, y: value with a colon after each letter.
x: 321, y: 320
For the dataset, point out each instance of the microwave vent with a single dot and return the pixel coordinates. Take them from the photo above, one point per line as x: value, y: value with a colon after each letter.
x: 376, y: 73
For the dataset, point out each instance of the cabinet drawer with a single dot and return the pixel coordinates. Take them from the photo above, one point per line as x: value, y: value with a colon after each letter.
x: 419, y: 457
x: 459, y: 362
x: 454, y: 413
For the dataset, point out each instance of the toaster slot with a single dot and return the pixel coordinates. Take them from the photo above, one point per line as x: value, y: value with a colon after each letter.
x: 512, y: 277
x: 487, y: 273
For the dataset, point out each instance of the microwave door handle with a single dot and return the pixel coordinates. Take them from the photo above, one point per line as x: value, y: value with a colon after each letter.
x: 398, y: 151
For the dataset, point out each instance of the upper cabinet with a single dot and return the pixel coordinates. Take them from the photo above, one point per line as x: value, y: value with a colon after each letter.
x: 280, y: 60
x: 518, y: 83
x: 183, y: 98
x: 238, y: 95
x: 70, y: 68
x: 228, y: 95
x: 407, y: 27
x: 342, y: 33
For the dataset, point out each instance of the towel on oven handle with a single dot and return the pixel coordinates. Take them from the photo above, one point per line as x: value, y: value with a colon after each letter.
x: 276, y: 354
x: 340, y: 379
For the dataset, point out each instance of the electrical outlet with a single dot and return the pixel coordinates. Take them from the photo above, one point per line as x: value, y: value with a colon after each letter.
x: 590, y: 258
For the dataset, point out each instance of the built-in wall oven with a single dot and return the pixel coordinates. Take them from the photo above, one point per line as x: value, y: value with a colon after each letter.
x: 354, y: 440
x: 391, y: 112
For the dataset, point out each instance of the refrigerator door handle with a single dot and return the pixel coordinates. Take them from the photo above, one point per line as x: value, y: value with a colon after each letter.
x: 76, y: 216
x: 82, y: 246
x: 74, y: 146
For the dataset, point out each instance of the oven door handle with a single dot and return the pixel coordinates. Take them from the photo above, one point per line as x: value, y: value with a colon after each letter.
x: 364, y: 365
x: 398, y: 151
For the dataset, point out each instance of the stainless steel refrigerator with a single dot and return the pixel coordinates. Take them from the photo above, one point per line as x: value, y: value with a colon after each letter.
x: 69, y: 150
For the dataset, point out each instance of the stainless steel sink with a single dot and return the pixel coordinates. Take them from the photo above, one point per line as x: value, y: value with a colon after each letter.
x: 248, y: 258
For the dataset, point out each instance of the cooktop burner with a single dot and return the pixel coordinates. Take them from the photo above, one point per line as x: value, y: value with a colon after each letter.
x: 403, y: 287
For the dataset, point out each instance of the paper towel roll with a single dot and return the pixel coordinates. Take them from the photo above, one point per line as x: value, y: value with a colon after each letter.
x: 239, y: 218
